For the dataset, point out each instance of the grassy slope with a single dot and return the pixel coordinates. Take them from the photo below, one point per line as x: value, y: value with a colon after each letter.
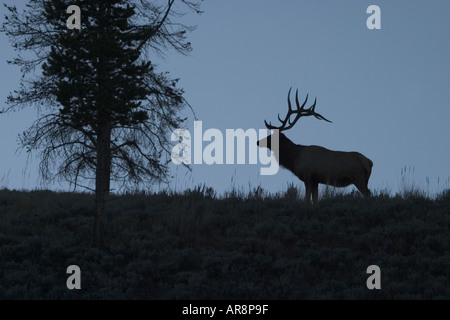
x: 194, y: 246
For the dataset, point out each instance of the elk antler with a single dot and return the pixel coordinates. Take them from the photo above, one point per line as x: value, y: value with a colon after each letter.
x: 299, y: 112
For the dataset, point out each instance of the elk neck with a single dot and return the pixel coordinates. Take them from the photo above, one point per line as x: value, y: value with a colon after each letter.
x: 289, y: 152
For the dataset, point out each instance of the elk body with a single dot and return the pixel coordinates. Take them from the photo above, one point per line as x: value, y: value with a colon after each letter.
x: 315, y: 164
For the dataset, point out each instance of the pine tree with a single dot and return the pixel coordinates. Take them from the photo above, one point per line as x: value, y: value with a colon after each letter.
x: 105, y: 112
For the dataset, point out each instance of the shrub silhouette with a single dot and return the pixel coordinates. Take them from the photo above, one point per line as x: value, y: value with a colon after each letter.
x: 196, y: 245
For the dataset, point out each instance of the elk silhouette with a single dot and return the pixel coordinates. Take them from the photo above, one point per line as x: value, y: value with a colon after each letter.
x: 314, y: 164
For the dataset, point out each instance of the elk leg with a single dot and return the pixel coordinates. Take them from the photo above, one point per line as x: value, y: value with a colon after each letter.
x: 315, y: 192
x: 362, y: 187
x: 307, y: 192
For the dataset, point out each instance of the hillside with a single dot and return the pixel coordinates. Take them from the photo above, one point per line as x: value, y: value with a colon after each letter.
x: 198, y: 246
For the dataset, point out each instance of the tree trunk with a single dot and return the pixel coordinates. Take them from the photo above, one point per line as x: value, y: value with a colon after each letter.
x: 102, y: 179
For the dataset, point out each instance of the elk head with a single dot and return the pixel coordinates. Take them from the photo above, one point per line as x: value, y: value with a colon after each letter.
x: 287, y: 123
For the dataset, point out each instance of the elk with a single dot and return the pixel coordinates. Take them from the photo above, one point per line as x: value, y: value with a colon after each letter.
x: 315, y: 164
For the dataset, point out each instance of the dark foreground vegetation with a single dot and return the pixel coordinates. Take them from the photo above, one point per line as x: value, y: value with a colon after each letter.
x: 198, y: 246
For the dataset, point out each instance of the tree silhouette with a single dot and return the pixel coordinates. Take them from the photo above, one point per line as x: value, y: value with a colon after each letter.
x: 104, y: 110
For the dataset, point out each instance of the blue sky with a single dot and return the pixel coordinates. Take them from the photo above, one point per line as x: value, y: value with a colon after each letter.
x: 387, y: 91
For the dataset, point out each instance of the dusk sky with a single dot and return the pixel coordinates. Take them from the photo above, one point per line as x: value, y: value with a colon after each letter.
x: 387, y: 91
